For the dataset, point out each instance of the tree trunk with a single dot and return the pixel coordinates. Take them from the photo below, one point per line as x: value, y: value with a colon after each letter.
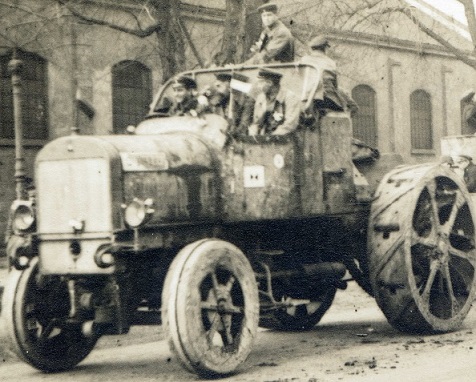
x: 242, y: 28
x: 170, y: 38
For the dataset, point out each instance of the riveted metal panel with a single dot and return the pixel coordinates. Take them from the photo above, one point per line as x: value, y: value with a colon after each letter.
x: 259, y: 181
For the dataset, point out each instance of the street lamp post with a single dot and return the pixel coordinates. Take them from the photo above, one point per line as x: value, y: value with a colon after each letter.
x: 15, y: 67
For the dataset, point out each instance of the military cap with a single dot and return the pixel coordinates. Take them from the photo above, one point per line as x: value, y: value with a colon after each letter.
x: 241, y: 77
x: 269, y: 75
x: 268, y: 7
x: 223, y: 76
x: 186, y: 82
x: 319, y: 41
x: 467, y: 157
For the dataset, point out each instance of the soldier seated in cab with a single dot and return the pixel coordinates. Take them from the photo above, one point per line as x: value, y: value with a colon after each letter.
x: 184, y: 101
x: 233, y: 104
x: 276, y: 110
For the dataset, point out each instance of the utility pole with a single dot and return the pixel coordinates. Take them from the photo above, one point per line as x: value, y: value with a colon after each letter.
x: 15, y: 67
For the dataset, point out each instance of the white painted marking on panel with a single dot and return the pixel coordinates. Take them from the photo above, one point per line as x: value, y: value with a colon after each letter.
x: 278, y: 161
x: 253, y: 176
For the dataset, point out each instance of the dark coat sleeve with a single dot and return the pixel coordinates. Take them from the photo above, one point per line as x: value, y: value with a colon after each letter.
x: 470, y: 177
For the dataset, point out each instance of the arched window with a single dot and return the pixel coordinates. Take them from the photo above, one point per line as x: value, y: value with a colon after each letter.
x: 364, y: 122
x: 420, y: 120
x: 34, y: 97
x: 131, y: 94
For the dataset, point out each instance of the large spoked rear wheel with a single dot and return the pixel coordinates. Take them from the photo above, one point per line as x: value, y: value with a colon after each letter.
x: 210, y: 307
x: 422, y: 249
x: 35, y: 311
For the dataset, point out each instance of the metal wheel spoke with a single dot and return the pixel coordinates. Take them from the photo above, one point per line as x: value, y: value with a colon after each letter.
x: 428, y: 241
x: 470, y: 256
x: 226, y: 333
x: 211, y: 306
x: 46, y: 331
x: 312, y: 307
x: 213, y: 328
x: 447, y: 276
x: 434, y: 266
x: 215, y: 283
x: 434, y: 205
x: 230, y: 309
x: 234, y: 309
x: 459, y: 202
x: 230, y: 283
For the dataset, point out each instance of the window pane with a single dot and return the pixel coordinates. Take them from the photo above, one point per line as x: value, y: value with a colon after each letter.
x: 420, y: 119
x: 364, y: 121
x: 132, y: 94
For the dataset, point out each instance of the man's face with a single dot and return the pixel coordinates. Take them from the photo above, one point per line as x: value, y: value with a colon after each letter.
x: 461, y: 162
x: 180, y: 93
x: 268, y: 18
x: 222, y: 87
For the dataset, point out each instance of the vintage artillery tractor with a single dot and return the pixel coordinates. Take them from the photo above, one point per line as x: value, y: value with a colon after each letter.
x: 189, y: 222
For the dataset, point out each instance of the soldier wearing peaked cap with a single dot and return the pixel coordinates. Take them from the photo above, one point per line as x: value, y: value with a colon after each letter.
x: 184, y: 81
x: 276, y: 109
x: 184, y: 101
x: 327, y: 95
x: 230, y: 104
x: 270, y: 75
x: 276, y: 43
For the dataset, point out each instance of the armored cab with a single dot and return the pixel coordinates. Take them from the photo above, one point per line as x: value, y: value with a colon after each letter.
x: 190, y: 222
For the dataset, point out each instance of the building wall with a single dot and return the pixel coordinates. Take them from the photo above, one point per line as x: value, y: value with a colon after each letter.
x: 394, y: 73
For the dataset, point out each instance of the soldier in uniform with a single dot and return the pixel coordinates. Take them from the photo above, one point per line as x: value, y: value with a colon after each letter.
x: 184, y: 101
x: 327, y: 96
x: 233, y: 105
x: 276, y: 43
x: 276, y: 110
x: 465, y: 166
x: 469, y: 113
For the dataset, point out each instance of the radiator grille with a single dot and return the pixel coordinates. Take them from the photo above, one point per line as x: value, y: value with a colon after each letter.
x: 74, y: 190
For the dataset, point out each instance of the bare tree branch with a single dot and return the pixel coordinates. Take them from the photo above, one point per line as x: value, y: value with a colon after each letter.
x: 461, y: 55
x: 139, y: 31
x: 470, y: 18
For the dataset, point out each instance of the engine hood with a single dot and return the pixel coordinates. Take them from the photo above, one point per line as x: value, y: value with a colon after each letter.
x: 171, y: 151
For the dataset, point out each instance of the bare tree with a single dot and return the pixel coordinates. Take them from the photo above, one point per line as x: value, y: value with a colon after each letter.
x: 374, y: 17
x: 155, y: 17
x: 462, y: 55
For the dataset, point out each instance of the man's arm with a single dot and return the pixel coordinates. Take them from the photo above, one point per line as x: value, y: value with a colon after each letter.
x: 291, y: 119
x: 280, y: 40
x: 471, y: 178
x: 276, y: 45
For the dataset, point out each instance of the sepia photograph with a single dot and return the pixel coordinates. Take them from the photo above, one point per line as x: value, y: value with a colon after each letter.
x: 238, y: 190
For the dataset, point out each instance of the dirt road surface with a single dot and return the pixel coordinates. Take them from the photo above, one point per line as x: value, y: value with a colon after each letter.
x: 353, y: 342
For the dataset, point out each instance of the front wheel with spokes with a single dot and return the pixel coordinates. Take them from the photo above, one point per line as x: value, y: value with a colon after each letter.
x: 35, y: 311
x: 210, y: 307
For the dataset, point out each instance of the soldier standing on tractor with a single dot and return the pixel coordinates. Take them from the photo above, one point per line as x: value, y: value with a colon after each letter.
x: 327, y: 95
x: 276, y: 43
x: 276, y: 110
